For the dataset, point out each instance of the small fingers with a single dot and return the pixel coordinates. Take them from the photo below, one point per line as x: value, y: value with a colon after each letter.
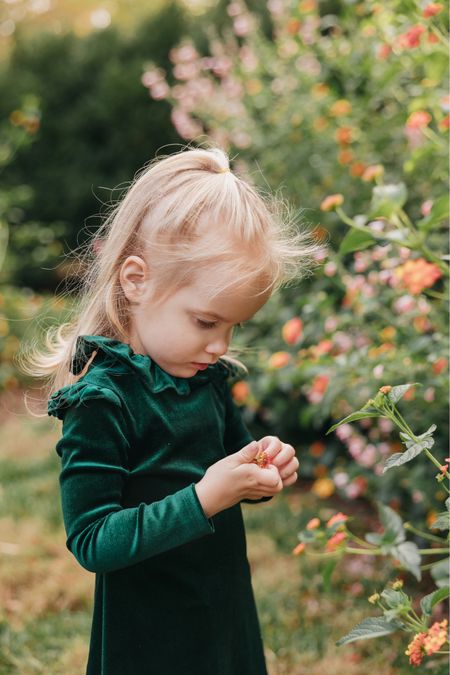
x: 290, y: 480
x: 287, y: 469
x: 286, y: 453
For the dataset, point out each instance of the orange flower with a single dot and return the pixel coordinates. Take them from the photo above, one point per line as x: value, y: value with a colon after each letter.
x: 435, y: 637
x: 292, y: 331
x: 372, y: 172
x: 279, y: 360
x: 337, y: 518
x: 427, y: 643
x: 313, y: 523
x: 432, y: 9
x: 357, y: 169
x: 317, y: 449
x: 345, y: 157
x: 323, y: 347
x: 386, y: 389
x: 344, y: 135
x: 293, y: 26
x: 415, y: 649
x: 323, y: 488
x: 440, y: 365
x: 262, y: 459
x: 330, y: 202
x: 299, y: 549
x: 320, y: 89
x: 418, y: 274
x: 418, y: 119
x: 334, y: 541
x: 341, y: 107
x: 240, y: 391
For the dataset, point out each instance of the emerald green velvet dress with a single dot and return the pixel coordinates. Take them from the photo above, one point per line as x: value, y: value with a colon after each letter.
x: 173, y: 593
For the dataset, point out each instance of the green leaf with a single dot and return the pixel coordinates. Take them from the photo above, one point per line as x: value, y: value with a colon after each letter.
x: 392, y: 522
x: 374, y: 538
x: 358, y: 415
x: 414, y: 449
x: 400, y: 390
x: 439, y: 213
x: 442, y: 521
x: 356, y: 240
x: 370, y: 628
x: 388, y: 199
x: 440, y: 573
x: 408, y: 440
x: 429, y: 601
x: 408, y: 554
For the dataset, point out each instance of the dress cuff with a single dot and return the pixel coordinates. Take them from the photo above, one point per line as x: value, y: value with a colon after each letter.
x: 198, y: 512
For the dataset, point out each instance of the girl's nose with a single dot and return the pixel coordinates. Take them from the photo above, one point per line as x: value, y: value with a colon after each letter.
x: 217, y: 347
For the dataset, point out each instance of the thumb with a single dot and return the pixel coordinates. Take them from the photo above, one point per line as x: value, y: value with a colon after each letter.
x: 248, y: 452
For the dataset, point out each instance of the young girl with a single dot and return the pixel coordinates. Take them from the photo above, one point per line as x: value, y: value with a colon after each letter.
x: 155, y: 459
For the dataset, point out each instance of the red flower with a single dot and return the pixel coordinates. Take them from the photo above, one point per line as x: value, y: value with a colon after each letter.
x: 411, y: 38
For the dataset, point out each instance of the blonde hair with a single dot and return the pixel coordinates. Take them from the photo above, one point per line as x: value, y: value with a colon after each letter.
x: 187, y: 211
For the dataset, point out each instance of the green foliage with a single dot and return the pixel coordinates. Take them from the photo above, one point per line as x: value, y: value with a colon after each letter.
x: 349, y: 99
x: 97, y: 129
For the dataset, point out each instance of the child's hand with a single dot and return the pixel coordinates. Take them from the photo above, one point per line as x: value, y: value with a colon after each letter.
x: 282, y: 456
x: 234, y: 478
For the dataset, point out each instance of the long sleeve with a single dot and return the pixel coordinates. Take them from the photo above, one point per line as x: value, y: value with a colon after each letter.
x: 102, y: 535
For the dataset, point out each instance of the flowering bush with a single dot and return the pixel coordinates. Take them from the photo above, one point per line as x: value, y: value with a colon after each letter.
x: 397, y: 607
x: 345, y: 105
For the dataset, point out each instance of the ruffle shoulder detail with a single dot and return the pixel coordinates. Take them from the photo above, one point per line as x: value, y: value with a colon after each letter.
x: 76, y: 394
x: 120, y: 355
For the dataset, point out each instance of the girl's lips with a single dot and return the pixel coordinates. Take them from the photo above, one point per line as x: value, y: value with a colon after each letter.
x: 200, y: 366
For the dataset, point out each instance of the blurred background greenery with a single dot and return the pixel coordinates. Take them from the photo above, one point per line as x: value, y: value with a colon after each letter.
x: 310, y: 99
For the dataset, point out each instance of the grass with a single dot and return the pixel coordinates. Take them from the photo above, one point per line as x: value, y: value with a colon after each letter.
x: 46, y: 597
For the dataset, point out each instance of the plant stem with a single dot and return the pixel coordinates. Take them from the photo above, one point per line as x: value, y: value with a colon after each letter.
x: 430, y: 565
x: 433, y: 551
x: 363, y: 551
x: 424, y: 535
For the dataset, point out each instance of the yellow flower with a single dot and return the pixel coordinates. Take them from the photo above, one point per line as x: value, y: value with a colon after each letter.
x: 323, y: 487
x: 341, y: 107
x: 373, y: 598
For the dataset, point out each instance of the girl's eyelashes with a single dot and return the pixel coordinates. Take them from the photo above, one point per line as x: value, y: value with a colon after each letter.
x: 212, y: 324
x: 206, y: 324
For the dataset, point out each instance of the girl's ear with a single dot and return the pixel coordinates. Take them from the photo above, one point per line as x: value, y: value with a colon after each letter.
x: 133, y: 277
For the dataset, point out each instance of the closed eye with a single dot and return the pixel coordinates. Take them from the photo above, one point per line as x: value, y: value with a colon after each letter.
x: 206, y: 324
